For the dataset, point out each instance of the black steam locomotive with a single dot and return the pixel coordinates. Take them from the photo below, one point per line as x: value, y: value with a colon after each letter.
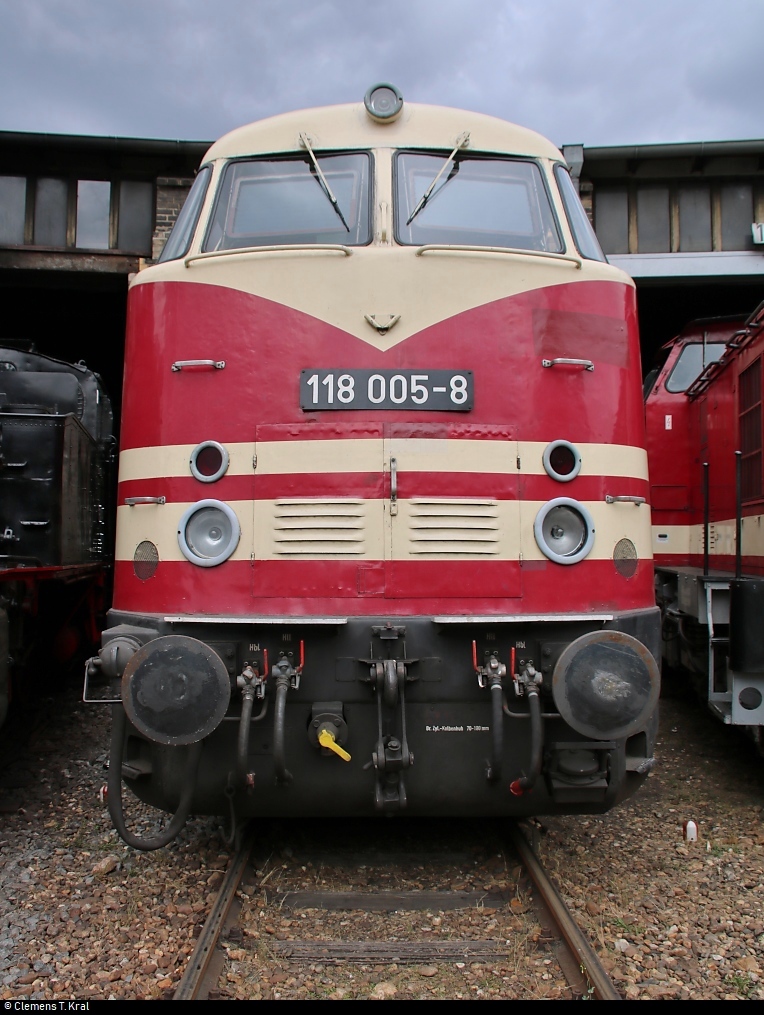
x: 56, y: 544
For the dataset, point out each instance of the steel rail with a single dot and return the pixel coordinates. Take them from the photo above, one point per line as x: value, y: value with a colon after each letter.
x: 189, y: 988
x: 201, y: 971
x: 582, y: 952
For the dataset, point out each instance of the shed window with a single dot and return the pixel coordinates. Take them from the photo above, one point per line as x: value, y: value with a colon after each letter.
x: 136, y: 214
x: 65, y: 213
x: 93, y: 198
x: 50, y: 213
x: 13, y: 192
x: 611, y: 220
x: 694, y: 219
x: 653, y: 226
x: 737, y: 216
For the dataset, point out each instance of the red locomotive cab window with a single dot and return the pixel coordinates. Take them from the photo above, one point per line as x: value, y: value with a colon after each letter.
x: 693, y: 360
x: 275, y: 202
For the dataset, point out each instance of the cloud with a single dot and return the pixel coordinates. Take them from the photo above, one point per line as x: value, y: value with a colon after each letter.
x: 600, y: 72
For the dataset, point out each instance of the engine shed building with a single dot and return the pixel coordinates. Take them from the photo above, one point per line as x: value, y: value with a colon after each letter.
x: 686, y: 221
x: 79, y: 215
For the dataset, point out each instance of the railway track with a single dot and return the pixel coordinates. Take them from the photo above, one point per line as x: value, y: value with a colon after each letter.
x: 431, y: 911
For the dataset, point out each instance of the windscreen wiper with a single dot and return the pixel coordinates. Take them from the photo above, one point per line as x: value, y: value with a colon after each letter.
x: 305, y: 142
x: 461, y: 142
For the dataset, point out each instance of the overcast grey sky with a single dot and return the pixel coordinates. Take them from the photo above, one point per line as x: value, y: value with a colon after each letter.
x: 597, y: 72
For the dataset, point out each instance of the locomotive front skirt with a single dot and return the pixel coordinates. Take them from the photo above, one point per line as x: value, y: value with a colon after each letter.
x: 382, y: 541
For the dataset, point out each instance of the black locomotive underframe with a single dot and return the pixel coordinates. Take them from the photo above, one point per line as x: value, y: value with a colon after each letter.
x: 403, y: 699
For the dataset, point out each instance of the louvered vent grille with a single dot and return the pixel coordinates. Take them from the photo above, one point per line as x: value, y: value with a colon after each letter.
x: 454, y: 526
x: 319, y: 527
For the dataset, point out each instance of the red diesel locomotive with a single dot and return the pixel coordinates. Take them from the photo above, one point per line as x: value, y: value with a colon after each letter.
x: 383, y: 485
x: 704, y: 430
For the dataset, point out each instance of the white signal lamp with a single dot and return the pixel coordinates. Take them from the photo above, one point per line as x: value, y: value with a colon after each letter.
x: 383, y: 103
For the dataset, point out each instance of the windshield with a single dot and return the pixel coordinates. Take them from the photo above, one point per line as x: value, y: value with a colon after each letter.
x: 485, y: 202
x: 270, y: 202
x: 692, y: 361
x: 583, y: 232
x: 183, y: 230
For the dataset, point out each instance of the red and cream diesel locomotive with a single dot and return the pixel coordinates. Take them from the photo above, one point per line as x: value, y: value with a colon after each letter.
x: 703, y: 410
x: 383, y: 539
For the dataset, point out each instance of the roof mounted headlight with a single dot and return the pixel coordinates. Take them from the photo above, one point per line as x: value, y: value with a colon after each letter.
x: 383, y: 103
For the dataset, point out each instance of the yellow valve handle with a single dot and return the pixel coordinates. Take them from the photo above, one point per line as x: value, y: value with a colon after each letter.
x: 326, y: 739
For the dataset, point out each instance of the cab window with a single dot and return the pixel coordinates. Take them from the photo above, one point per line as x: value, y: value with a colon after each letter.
x: 179, y: 239
x: 272, y: 202
x: 693, y: 360
x: 583, y: 233
x: 491, y: 202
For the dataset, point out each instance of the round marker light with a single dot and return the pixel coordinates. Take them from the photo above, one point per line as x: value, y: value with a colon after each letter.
x: 562, y: 461
x: 208, y: 533
x: 564, y: 531
x: 209, y: 461
x: 383, y: 103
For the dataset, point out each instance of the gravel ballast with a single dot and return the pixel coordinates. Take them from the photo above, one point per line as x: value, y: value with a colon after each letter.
x: 83, y: 916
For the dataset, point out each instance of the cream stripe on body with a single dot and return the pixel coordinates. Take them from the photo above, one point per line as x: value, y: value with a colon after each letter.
x: 354, y: 529
x: 340, y: 291
x: 369, y: 455
x: 688, y: 539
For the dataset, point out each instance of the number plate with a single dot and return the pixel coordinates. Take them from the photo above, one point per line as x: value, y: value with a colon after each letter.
x: 433, y: 390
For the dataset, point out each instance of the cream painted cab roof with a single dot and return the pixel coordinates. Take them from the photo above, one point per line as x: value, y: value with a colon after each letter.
x: 350, y: 126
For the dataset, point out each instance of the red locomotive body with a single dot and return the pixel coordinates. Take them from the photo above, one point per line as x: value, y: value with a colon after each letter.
x: 704, y: 427
x: 382, y: 484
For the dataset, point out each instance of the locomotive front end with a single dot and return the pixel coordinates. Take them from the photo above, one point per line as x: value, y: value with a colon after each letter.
x: 383, y: 542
